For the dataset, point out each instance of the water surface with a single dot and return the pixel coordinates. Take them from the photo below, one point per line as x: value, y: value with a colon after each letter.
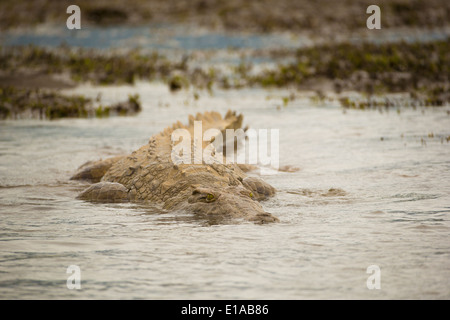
x: 389, y: 205
x: 169, y: 38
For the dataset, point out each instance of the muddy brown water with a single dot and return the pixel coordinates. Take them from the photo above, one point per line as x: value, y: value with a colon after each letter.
x: 373, y: 189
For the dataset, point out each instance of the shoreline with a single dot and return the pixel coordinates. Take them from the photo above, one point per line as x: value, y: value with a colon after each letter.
x: 420, y: 69
x: 320, y: 46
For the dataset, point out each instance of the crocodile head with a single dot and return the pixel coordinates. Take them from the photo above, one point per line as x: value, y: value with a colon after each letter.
x: 232, y: 201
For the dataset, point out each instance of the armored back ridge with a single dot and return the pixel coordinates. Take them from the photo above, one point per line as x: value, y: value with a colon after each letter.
x: 149, y: 174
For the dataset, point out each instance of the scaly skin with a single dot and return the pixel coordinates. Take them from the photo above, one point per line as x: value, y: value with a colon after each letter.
x: 149, y: 174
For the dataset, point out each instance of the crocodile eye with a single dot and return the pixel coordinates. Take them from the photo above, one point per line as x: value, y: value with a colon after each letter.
x: 199, y: 195
x: 247, y: 193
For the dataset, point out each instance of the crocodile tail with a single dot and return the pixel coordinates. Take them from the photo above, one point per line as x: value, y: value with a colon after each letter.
x: 161, y: 143
x: 213, y: 119
x: 209, y: 119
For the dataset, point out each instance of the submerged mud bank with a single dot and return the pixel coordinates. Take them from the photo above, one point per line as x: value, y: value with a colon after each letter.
x: 19, y: 103
x: 372, y: 69
x: 420, y: 69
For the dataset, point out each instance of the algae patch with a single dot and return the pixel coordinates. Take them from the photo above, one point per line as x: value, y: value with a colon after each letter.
x: 19, y: 103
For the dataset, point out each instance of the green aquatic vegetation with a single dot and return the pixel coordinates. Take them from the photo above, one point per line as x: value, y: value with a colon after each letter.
x: 102, y: 112
x: 89, y: 65
x: 177, y: 82
x: 134, y: 99
x: 283, y: 75
x: 372, y: 68
x: 243, y: 69
x: 45, y: 104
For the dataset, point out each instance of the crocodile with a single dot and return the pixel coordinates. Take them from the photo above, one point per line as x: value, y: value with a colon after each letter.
x: 149, y: 174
